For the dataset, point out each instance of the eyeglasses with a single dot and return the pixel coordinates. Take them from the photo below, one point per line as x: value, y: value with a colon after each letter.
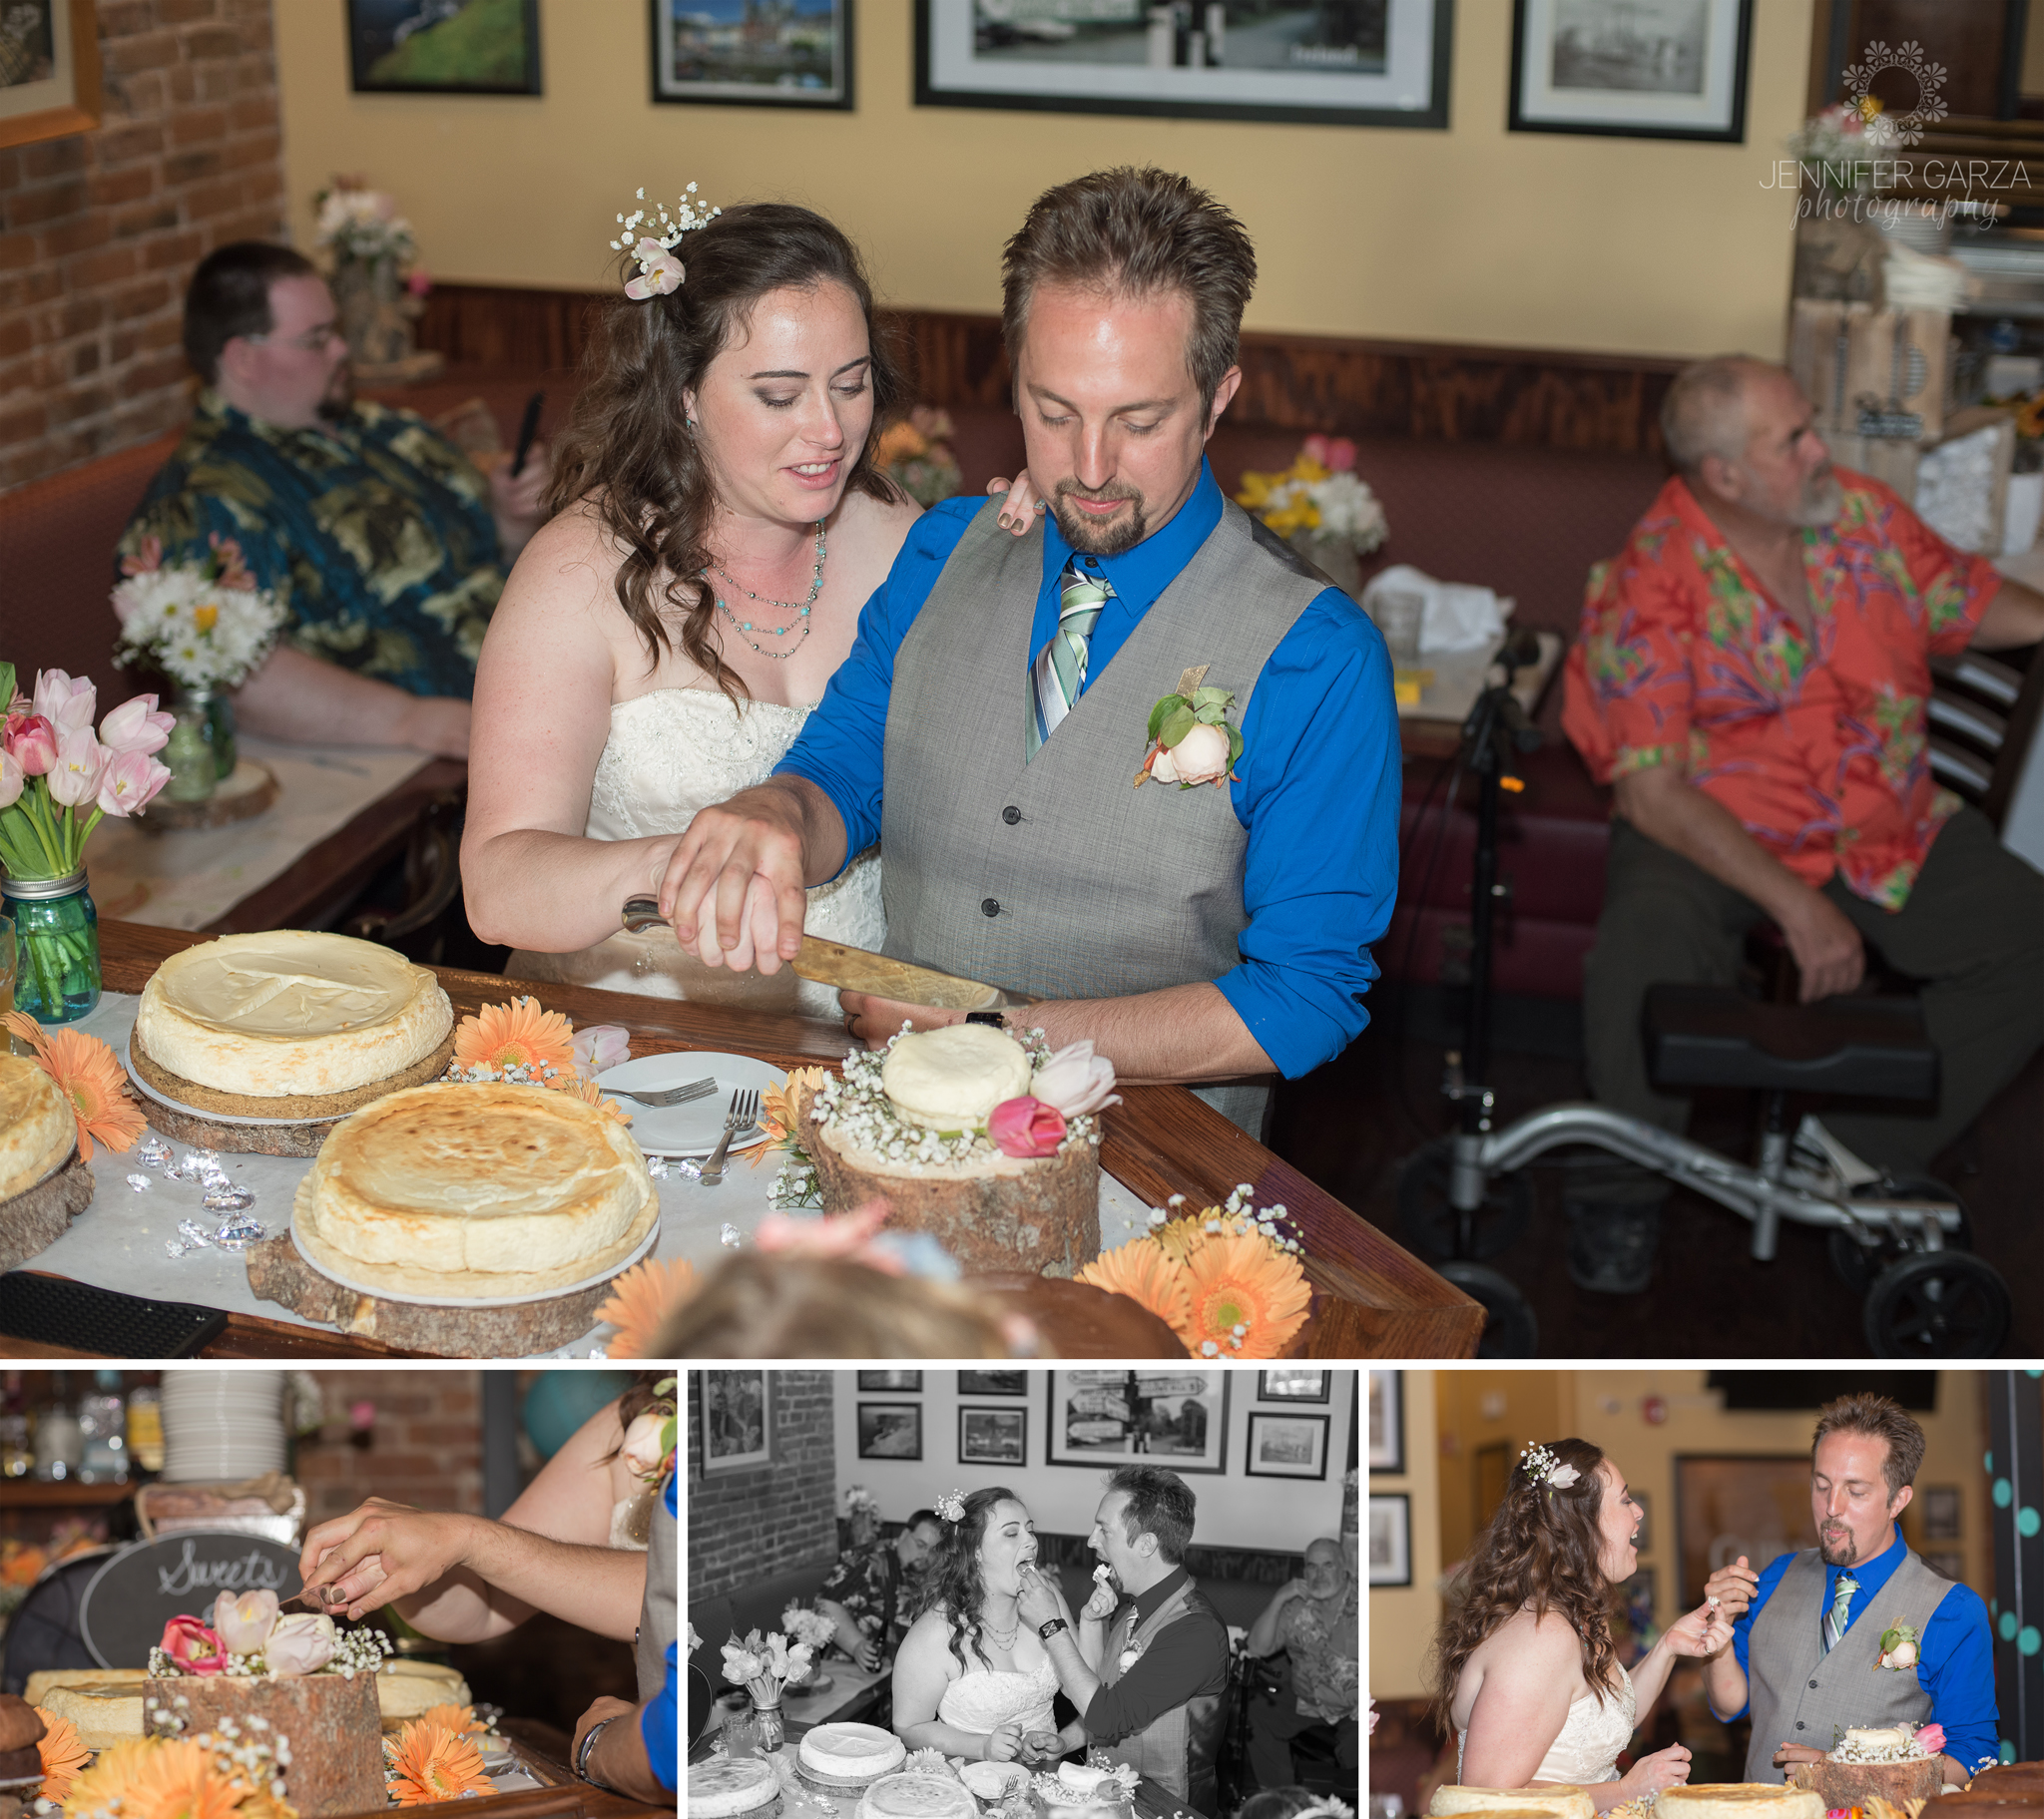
x: 313, y: 340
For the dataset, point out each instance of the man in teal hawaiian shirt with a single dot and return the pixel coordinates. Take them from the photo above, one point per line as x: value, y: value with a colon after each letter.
x: 386, y: 542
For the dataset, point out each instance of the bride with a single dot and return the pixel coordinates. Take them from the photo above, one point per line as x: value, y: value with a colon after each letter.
x: 1525, y: 1666
x: 662, y: 641
x: 971, y: 1678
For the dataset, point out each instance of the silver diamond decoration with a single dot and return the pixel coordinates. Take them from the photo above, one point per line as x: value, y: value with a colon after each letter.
x: 140, y: 1182
x: 174, y: 1248
x: 238, y: 1231
x: 197, y: 1161
x: 729, y: 1238
x: 227, y: 1197
x: 154, y: 1151
x: 656, y: 1165
x: 194, y: 1234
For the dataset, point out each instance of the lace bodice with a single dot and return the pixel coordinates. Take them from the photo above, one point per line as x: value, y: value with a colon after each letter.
x: 670, y: 755
x: 986, y: 1697
x: 1586, y: 1750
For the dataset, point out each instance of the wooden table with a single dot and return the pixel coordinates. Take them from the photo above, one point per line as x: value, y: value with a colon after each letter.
x: 1379, y: 1300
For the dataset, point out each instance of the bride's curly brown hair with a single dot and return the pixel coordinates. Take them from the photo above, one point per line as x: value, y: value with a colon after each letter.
x: 953, y: 1582
x: 1541, y: 1553
x: 629, y: 451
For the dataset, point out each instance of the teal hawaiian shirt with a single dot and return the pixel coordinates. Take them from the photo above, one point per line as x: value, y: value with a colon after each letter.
x: 374, y: 531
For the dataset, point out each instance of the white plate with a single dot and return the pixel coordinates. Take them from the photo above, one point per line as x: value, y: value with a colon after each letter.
x: 213, y: 1117
x: 391, y: 1294
x: 693, y: 1128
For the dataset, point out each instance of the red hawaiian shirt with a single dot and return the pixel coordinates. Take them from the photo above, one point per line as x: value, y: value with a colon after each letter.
x: 1820, y: 753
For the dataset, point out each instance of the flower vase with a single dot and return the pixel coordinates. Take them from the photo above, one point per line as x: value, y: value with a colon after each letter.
x: 1335, y: 556
x: 219, y: 734
x: 769, y: 1733
x: 189, y: 757
x: 56, y: 946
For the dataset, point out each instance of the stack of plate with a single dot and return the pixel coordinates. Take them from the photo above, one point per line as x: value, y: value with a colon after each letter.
x: 221, y: 1427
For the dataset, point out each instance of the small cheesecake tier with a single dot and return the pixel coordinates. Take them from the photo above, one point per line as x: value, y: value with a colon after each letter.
x: 724, y: 1787
x: 330, y: 1719
x: 851, y: 1752
x: 913, y: 1796
x: 1557, y: 1802
x: 37, y: 1127
x: 1740, y: 1800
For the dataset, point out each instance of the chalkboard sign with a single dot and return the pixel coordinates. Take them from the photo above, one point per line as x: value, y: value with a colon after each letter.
x: 140, y: 1588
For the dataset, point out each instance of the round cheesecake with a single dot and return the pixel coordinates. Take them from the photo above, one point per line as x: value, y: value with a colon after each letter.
x: 410, y: 1690
x: 1739, y: 1800
x: 471, y: 1191
x: 725, y: 1786
x: 294, y: 1013
x: 918, y: 1797
x: 37, y: 1128
x: 1558, y: 1802
x: 1078, y: 1791
x: 104, y: 1704
x: 851, y: 1752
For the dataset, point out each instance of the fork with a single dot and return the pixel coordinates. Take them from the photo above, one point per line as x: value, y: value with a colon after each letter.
x: 668, y: 1096
x: 745, y: 1113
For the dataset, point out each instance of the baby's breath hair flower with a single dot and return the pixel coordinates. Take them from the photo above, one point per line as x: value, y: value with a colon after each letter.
x: 1542, y: 1466
x: 951, y: 1507
x: 659, y: 271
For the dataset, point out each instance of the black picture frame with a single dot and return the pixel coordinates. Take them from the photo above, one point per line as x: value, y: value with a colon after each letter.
x: 1390, y: 1539
x: 368, y: 21
x: 993, y: 1437
x: 837, y: 94
x: 1105, y: 1418
x: 1290, y: 1382
x: 1275, y: 1436
x: 899, y: 1383
x: 1940, y: 1509
x: 736, y: 1409
x: 1388, y: 1422
x: 879, y: 1426
x: 1718, y: 118
x: 993, y: 1383
x: 1411, y: 90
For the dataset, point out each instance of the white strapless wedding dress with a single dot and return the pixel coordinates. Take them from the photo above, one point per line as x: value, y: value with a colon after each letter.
x: 1591, y: 1737
x: 669, y: 754
x: 987, y: 1697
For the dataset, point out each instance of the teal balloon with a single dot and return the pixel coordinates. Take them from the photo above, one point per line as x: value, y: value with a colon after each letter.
x: 2033, y: 1375
x: 2028, y: 1641
x: 2004, y: 1493
x: 559, y: 1402
x: 2028, y: 1522
x: 1987, y: 1463
x: 2008, y: 1751
x: 2007, y: 1625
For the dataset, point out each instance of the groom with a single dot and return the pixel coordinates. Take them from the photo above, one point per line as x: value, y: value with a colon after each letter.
x: 1150, y: 1684
x: 990, y: 721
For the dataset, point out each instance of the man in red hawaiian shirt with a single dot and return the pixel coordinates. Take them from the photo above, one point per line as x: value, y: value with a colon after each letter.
x: 1751, y: 679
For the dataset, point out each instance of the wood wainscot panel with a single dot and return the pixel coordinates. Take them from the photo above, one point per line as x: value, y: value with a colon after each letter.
x: 1436, y: 392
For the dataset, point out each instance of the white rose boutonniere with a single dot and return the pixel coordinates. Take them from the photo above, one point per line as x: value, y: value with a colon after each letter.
x: 1191, y: 740
x: 1128, y: 1659
x: 1899, y: 1648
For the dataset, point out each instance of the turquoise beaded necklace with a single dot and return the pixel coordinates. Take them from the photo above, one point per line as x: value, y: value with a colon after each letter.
x: 803, y: 611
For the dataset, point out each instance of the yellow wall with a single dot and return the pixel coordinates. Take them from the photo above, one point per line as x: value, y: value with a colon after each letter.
x: 1400, y: 1622
x: 1478, y: 1409
x: 1469, y: 235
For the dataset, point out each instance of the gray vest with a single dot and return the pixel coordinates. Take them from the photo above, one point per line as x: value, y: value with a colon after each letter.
x: 1177, y: 1748
x: 659, y: 1618
x: 1060, y: 878
x: 1800, y: 1695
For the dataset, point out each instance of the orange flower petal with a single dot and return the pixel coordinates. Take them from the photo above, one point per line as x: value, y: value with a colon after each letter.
x: 88, y: 1075
x: 1145, y: 1274
x: 459, y: 1719
x: 591, y: 1094
x: 62, y: 1753
x: 516, y: 1035
x: 429, y: 1763
x: 1240, y: 1282
x: 640, y: 1299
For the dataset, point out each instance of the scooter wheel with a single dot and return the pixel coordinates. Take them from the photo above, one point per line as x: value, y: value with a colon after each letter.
x: 1427, y: 1222
x: 1856, y: 1267
x: 1937, y: 1304
x: 1509, y: 1328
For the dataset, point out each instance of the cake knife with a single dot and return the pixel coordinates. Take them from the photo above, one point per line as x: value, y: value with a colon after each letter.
x: 858, y: 969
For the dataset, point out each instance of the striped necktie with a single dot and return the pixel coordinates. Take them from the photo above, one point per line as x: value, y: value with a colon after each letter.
x: 1058, y: 676
x: 1835, y: 1618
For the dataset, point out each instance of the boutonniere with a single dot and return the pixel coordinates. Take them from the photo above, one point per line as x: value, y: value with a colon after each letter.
x: 1898, y: 1648
x: 1128, y: 1659
x: 1191, y: 740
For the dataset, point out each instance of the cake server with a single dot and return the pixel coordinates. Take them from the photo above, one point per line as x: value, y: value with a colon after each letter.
x: 858, y: 969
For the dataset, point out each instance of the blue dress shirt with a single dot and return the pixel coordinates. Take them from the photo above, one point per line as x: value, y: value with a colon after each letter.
x: 1955, y: 1664
x: 658, y: 1723
x: 1316, y: 787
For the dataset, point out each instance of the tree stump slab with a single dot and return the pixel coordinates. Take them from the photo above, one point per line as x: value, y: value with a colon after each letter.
x: 1848, y: 1784
x: 38, y: 1216
x: 333, y: 1721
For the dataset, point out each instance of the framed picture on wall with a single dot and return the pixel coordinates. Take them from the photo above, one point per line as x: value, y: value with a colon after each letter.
x: 1941, y: 1504
x: 1643, y: 1540
x: 49, y: 70
x: 1343, y: 63
x: 897, y: 1381
x: 1390, y: 1539
x: 790, y: 54
x: 1287, y: 1446
x: 738, y: 1422
x: 443, y: 46
x: 891, y: 1430
x: 1290, y: 1384
x: 1726, y: 1506
x: 1635, y: 68
x: 993, y: 1437
x: 1387, y: 1422
x: 993, y: 1383
x: 1178, y: 1418
x: 1946, y: 1562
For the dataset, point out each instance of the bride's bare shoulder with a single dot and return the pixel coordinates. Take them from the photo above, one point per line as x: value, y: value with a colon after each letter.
x: 1526, y: 1643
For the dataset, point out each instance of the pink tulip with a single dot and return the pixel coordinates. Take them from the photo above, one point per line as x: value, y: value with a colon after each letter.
x: 418, y: 283
x: 299, y: 1644
x: 244, y: 1623
x: 75, y: 777
x: 1931, y: 1736
x: 65, y: 702
x: 1026, y: 1127
x: 129, y: 781
x: 195, y: 1648
x: 137, y: 726
x: 1335, y: 453
x: 600, y: 1044
x: 32, y: 742
x: 13, y: 779
x: 1076, y: 1081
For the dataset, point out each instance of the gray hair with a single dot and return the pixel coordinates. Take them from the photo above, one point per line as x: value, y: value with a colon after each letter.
x: 1704, y: 410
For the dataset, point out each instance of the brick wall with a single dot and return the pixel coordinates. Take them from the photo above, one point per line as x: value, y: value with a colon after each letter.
x: 424, y: 1448
x: 99, y: 232
x: 750, y: 1525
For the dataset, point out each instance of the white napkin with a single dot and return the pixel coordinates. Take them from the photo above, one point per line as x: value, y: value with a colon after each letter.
x: 1458, y: 616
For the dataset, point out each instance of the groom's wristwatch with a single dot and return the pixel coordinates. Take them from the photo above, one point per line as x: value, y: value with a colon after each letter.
x: 1049, y: 1629
x: 996, y: 1018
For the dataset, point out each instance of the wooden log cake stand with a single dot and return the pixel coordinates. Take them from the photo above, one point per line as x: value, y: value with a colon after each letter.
x: 38, y: 1216
x: 332, y: 1722
x: 277, y: 1271
x: 1850, y: 1784
x: 240, y: 797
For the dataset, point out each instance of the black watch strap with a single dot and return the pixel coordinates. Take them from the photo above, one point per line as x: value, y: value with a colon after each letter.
x: 1049, y: 1629
x: 997, y: 1018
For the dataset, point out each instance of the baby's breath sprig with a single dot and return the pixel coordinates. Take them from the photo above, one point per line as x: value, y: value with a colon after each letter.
x: 658, y: 271
x: 1542, y: 1466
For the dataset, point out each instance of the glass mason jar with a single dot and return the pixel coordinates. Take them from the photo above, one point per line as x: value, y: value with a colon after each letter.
x: 56, y: 946
x: 769, y: 1732
x: 195, y: 773
x: 219, y: 734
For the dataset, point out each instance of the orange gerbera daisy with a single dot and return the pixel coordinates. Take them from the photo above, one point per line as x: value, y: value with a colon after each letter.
x: 458, y: 1719
x: 62, y: 1753
x: 778, y: 1109
x: 592, y: 1095
x: 88, y: 1076
x: 516, y: 1035
x: 262, y: 1804
x: 640, y: 1299
x: 429, y: 1763
x: 178, y: 1780
x: 1146, y: 1273
x: 1248, y: 1298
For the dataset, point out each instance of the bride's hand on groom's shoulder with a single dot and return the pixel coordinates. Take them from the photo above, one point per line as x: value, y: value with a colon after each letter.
x: 1019, y: 508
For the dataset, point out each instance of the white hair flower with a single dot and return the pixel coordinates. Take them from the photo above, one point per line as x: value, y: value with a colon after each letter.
x: 1542, y: 1466
x: 951, y: 1506
x: 659, y: 271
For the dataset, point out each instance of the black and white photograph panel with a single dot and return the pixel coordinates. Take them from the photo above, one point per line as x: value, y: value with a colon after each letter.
x: 983, y: 1628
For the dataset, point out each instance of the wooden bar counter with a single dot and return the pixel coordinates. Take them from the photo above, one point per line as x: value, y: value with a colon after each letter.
x: 1378, y: 1301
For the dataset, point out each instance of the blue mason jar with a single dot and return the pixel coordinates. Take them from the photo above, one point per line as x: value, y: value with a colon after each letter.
x: 56, y: 946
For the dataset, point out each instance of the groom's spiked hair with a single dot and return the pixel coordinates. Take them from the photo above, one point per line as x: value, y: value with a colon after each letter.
x: 1162, y: 1503
x: 1135, y: 234
x: 1878, y: 1417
